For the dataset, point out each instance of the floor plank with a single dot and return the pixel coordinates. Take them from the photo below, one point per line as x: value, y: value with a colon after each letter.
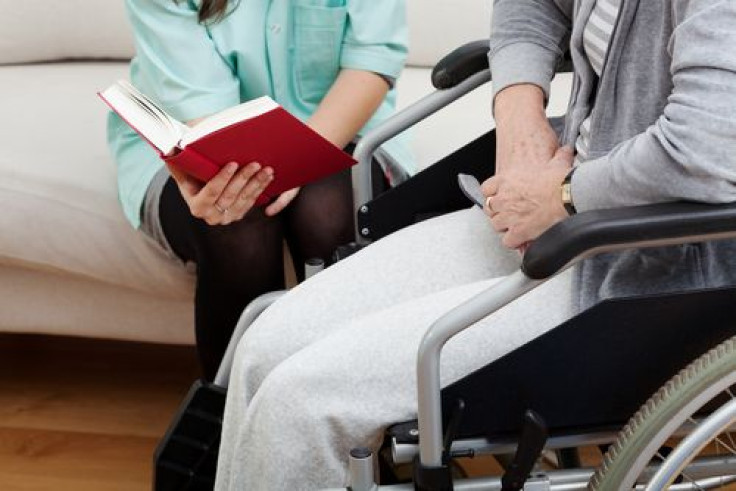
x: 83, y: 414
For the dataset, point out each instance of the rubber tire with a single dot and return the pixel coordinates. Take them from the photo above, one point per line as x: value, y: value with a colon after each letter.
x: 649, y: 425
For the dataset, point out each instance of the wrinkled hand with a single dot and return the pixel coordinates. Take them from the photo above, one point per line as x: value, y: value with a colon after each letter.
x: 228, y: 196
x: 281, y: 202
x: 524, y: 201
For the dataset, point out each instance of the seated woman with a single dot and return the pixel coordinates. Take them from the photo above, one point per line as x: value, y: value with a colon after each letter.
x: 328, y: 62
x: 652, y: 118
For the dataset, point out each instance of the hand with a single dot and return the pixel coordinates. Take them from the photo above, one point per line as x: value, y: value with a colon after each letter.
x: 228, y: 196
x: 525, y: 201
x: 281, y: 202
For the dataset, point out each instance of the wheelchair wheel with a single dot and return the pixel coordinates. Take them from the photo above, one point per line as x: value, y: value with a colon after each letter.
x: 706, y: 459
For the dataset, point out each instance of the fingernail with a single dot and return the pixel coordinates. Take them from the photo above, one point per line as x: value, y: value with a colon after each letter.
x: 232, y: 167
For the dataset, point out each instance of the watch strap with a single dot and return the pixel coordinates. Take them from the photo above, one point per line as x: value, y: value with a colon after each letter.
x: 567, y: 200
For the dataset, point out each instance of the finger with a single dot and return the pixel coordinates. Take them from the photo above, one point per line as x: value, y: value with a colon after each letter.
x: 214, y: 188
x: 281, y: 202
x: 490, y: 186
x: 514, y: 238
x: 501, y: 222
x: 203, y: 203
x: 187, y: 186
x: 490, y: 206
x: 237, y: 184
x: 564, y: 156
x: 227, y: 217
x: 252, y: 190
x: 524, y: 247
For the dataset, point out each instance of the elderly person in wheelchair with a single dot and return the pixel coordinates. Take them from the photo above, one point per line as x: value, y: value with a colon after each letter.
x: 652, y: 120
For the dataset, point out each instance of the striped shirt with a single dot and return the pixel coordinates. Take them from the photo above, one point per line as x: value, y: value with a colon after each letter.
x: 596, y: 41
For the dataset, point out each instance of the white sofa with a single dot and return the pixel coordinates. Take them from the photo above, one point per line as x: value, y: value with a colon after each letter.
x: 69, y: 262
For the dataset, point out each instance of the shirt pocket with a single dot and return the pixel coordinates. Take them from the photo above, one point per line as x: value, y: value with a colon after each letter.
x: 319, y: 27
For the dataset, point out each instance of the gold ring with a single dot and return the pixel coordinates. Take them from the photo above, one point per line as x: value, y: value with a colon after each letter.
x: 220, y: 209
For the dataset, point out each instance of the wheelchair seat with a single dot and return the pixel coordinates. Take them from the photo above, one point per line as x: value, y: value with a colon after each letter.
x: 593, y: 372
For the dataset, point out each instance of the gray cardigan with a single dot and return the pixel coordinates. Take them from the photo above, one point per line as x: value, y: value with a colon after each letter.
x: 663, y: 126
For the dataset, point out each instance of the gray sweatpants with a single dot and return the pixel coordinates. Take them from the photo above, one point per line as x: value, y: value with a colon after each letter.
x: 332, y: 363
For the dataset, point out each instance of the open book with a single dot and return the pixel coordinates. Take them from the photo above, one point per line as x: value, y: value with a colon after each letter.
x: 255, y: 131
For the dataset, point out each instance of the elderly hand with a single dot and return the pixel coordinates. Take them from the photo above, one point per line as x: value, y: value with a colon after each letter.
x: 228, y: 196
x: 525, y: 201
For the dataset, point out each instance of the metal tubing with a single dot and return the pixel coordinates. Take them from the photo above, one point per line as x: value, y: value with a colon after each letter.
x: 408, y: 117
x: 428, y: 362
x: 404, y: 453
x: 577, y: 479
x: 694, y: 443
x: 361, y: 470
x: 566, y: 480
x: 251, y: 312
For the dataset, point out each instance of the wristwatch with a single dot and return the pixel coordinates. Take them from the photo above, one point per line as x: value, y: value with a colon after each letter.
x: 566, y: 191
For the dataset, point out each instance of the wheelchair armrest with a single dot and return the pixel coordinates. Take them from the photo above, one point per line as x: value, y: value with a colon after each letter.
x: 590, y: 233
x: 460, y: 64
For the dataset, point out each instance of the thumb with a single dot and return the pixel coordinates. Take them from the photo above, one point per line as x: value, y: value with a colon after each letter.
x: 564, y: 155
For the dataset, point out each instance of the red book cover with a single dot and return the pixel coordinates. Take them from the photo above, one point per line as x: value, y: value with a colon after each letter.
x: 297, y: 154
x: 275, y: 139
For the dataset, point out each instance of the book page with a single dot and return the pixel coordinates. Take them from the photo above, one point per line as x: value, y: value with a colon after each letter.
x: 144, y: 116
x: 230, y: 116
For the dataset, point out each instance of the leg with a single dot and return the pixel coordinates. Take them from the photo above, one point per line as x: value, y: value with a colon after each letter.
x: 320, y: 219
x: 431, y: 256
x: 424, y: 259
x: 235, y: 264
x: 342, y: 390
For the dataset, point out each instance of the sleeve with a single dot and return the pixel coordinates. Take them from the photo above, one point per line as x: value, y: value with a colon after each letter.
x: 690, y: 151
x: 376, y: 37
x: 527, y: 39
x: 176, y: 62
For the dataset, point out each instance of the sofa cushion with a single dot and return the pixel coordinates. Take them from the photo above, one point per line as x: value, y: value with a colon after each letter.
x: 57, y: 183
x: 40, y: 30
x: 436, y: 27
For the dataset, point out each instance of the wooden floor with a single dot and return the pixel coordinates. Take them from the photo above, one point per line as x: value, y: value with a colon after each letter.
x: 78, y: 414
x: 85, y: 415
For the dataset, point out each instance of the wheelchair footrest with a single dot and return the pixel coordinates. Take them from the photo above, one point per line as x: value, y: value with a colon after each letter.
x: 186, y: 458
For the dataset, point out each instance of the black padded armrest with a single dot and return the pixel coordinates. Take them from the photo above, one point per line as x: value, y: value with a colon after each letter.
x: 465, y: 61
x: 592, y: 232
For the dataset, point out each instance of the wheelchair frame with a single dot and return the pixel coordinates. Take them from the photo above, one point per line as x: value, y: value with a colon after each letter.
x: 577, y: 238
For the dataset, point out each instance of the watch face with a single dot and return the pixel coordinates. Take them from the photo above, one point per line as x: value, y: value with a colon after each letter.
x: 566, y: 194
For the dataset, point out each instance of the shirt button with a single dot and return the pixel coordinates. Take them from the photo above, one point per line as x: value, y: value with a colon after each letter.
x: 275, y: 28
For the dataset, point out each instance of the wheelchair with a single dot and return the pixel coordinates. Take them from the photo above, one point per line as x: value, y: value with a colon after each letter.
x: 661, y: 405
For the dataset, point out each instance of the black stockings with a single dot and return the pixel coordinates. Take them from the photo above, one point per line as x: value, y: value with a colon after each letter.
x: 240, y: 261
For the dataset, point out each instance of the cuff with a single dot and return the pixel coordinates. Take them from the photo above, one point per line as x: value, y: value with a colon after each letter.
x: 522, y: 63
x: 377, y: 59
x: 591, y: 186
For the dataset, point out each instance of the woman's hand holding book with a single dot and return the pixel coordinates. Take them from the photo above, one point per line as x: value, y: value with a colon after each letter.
x: 228, y: 196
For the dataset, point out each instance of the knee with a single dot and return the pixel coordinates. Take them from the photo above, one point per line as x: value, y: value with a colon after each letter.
x: 290, y: 397
x: 256, y: 356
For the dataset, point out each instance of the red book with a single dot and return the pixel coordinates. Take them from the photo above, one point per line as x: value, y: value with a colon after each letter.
x: 256, y: 131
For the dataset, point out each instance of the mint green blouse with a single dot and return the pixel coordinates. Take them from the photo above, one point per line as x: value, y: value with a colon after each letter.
x: 291, y: 50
